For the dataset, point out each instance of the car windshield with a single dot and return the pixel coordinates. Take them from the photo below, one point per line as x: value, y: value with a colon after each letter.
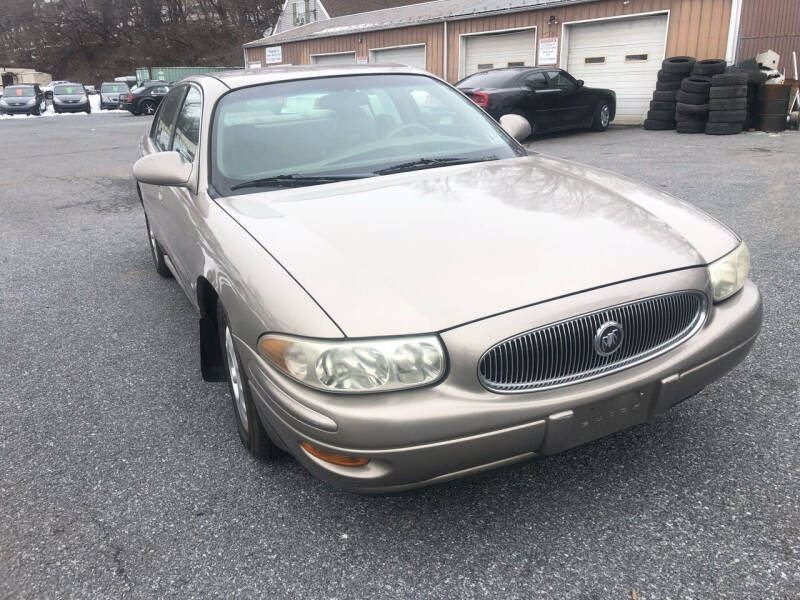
x: 490, y: 79
x: 316, y: 131
x: 113, y: 88
x: 19, y: 92
x: 68, y: 90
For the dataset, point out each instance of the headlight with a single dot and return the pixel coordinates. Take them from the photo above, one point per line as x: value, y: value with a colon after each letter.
x: 729, y: 273
x: 2, y: 102
x: 31, y: 101
x: 357, y: 366
x: 83, y: 98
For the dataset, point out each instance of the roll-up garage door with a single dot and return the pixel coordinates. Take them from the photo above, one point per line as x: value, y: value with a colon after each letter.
x: 413, y: 56
x: 620, y: 54
x: 499, y: 50
x: 345, y: 58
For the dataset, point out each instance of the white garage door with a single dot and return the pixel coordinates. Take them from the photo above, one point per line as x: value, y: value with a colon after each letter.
x: 413, y: 56
x: 345, y: 58
x: 495, y: 51
x: 623, y: 55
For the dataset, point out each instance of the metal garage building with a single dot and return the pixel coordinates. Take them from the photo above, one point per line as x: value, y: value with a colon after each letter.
x: 608, y: 43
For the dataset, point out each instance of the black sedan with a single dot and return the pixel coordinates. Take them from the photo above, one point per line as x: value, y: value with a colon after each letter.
x: 548, y: 97
x: 144, y: 99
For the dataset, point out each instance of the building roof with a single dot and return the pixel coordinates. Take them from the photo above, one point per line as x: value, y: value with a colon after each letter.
x: 402, y: 16
x: 338, y: 8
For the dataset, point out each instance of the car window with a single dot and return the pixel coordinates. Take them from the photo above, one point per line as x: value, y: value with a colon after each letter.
x: 68, y: 90
x: 535, y: 81
x: 187, y: 128
x: 113, y: 88
x: 560, y: 80
x: 498, y: 78
x: 164, y: 123
x: 20, y: 92
x: 357, y: 126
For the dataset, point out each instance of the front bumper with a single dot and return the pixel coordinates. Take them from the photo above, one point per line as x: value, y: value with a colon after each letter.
x: 62, y: 108
x: 419, y: 437
x: 17, y: 110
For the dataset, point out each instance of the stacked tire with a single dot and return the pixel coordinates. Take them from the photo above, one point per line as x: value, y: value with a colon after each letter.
x: 727, y: 103
x: 673, y: 71
x: 691, y: 109
x: 772, y: 107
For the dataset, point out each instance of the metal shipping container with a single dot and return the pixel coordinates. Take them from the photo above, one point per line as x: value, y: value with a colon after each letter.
x: 172, y: 74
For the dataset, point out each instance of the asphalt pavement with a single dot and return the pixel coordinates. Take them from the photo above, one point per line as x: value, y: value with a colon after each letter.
x: 121, y: 474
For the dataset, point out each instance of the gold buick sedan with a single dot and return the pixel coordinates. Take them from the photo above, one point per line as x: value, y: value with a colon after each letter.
x: 399, y: 293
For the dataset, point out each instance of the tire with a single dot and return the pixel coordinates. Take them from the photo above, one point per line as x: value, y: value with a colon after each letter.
x: 691, y: 118
x: 157, y: 252
x: 651, y: 125
x: 727, y: 91
x: 731, y: 78
x: 664, y: 76
x: 771, y: 123
x: 691, y: 109
x: 727, y: 104
x: 668, y: 86
x: 691, y: 127
x: 727, y: 116
x: 661, y: 115
x: 664, y: 96
x: 670, y: 106
x: 678, y: 64
x: 696, y: 85
x: 251, y: 431
x: 148, y: 107
x: 690, y: 98
x: 723, y: 128
x: 711, y: 66
x: 602, y: 116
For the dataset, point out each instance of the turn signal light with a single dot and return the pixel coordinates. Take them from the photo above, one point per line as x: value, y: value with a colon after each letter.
x: 336, y: 459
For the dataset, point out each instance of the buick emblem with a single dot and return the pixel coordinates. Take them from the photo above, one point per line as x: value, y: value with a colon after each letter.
x: 608, y: 338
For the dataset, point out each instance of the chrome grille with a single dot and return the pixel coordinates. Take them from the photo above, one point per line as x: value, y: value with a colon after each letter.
x: 564, y: 353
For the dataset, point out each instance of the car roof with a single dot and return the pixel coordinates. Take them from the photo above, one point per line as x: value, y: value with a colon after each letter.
x: 247, y: 77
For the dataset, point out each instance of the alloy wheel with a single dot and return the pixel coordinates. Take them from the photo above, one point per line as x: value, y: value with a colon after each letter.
x: 605, y: 115
x: 237, y: 387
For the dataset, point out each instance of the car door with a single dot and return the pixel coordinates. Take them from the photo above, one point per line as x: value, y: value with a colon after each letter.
x: 573, y: 102
x: 157, y: 199
x: 183, y: 222
x: 540, y: 102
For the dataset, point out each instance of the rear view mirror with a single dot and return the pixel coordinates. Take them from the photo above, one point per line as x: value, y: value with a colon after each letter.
x: 162, y: 168
x: 516, y: 126
x: 580, y: 82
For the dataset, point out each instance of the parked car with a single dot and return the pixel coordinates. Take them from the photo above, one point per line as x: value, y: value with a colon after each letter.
x: 71, y: 97
x: 23, y: 99
x: 399, y: 297
x: 110, y: 92
x: 145, y: 99
x: 549, y: 98
x: 48, y: 89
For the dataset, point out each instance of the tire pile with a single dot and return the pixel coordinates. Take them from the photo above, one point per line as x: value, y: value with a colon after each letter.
x: 691, y: 109
x: 662, y: 113
x: 728, y: 103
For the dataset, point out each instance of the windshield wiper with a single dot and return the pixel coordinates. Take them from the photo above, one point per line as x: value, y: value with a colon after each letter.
x: 295, y: 180
x: 430, y: 163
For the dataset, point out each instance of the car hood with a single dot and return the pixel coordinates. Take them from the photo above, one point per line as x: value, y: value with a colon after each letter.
x: 429, y: 250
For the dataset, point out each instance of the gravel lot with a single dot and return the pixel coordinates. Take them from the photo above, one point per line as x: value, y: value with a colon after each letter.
x: 121, y: 474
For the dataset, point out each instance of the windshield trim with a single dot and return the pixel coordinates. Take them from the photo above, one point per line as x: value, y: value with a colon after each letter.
x: 516, y: 146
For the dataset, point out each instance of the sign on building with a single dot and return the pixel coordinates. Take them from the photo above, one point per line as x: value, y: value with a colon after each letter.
x: 548, y: 51
x: 274, y: 55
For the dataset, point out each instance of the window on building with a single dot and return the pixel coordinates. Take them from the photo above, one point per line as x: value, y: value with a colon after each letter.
x: 635, y: 57
x: 485, y: 66
x: 516, y: 64
x: 594, y: 60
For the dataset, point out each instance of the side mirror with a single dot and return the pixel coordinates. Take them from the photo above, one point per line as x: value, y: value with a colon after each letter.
x: 516, y: 126
x: 163, y: 168
x: 580, y: 82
